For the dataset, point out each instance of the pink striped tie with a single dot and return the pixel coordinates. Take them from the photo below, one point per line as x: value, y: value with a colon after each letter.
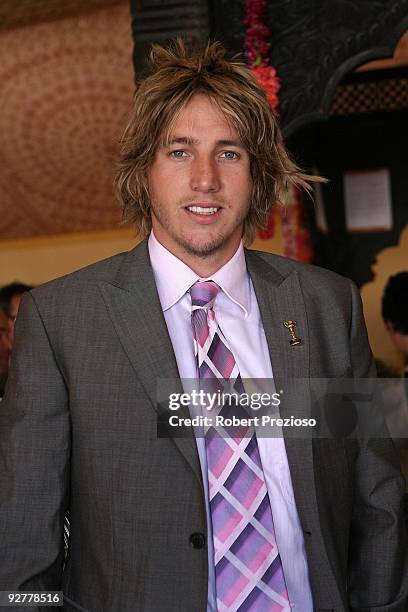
x: 248, y: 568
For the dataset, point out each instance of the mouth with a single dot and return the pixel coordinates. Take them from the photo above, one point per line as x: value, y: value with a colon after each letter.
x: 198, y: 209
x: 203, y: 213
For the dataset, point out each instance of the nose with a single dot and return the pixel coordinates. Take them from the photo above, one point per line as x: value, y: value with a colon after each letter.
x: 204, y: 176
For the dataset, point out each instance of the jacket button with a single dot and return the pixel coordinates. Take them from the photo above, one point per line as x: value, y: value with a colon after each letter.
x: 197, y: 540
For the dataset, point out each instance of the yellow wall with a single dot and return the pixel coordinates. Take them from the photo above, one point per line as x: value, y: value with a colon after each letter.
x: 37, y: 260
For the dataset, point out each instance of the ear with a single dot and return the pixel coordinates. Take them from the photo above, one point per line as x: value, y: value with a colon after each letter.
x: 390, y: 327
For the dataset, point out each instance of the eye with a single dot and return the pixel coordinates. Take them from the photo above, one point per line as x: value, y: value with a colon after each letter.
x: 230, y: 155
x: 178, y: 153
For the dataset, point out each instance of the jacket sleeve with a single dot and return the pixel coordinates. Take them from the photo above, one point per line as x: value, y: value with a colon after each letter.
x: 34, y: 461
x: 377, y: 576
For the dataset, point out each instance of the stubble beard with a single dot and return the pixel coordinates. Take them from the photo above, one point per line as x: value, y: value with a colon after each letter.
x: 203, y: 250
x: 193, y: 246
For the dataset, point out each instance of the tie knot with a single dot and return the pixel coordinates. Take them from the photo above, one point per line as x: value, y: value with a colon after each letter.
x: 203, y: 293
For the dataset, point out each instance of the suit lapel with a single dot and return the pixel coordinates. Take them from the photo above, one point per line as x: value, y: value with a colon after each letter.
x: 136, y: 313
x: 135, y: 310
x: 280, y: 298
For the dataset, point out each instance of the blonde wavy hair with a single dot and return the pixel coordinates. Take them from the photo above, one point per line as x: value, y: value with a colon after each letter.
x: 178, y: 73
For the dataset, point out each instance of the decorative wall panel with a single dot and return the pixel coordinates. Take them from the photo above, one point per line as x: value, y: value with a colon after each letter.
x: 315, y: 43
x: 65, y: 93
x: 365, y: 96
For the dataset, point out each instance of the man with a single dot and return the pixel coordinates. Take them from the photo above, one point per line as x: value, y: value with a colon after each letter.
x: 394, y: 310
x: 10, y: 298
x: 193, y: 523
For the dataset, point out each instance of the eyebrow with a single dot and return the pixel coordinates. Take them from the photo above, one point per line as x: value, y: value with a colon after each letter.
x: 193, y: 141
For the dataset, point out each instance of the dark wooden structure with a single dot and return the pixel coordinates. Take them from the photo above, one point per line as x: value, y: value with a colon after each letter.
x: 315, y: 43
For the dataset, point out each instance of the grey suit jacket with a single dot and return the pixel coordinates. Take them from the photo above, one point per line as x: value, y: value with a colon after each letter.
x: 78, y: 430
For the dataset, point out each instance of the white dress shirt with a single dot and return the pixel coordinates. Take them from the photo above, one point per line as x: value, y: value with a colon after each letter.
x: 239, y: 318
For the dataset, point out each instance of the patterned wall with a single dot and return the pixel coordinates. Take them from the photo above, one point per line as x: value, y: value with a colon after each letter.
x: 65, y: 93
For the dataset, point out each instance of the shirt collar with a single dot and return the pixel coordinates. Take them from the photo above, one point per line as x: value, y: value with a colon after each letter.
x: 174, y: 278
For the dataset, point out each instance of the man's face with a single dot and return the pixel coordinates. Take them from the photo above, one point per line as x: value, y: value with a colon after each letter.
x: 200, y: 185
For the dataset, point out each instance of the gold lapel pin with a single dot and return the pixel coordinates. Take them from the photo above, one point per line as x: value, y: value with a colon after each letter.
x: 291, y: 326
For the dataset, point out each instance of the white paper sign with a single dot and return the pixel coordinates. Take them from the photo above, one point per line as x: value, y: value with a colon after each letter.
x: 368, y: 203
